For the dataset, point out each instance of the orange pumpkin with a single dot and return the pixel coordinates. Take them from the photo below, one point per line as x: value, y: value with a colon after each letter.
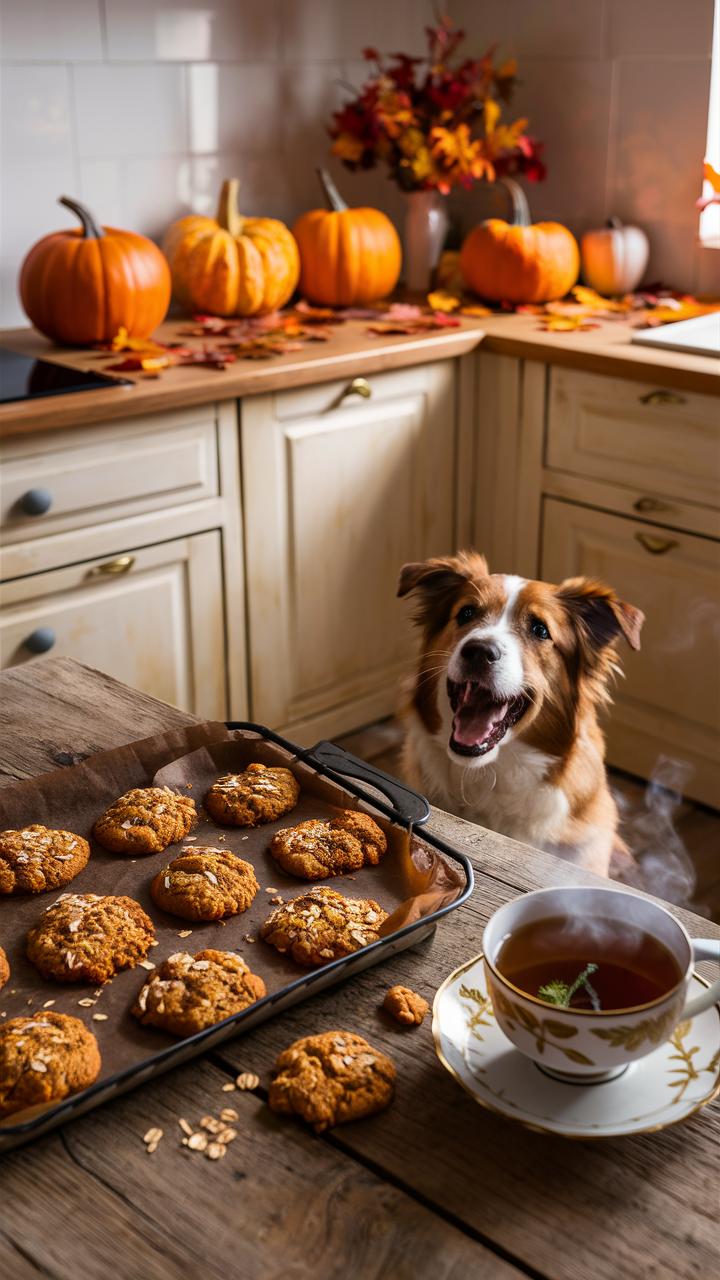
x: 348, y: 256
x: 520, y: 262
x: 231, y: 265
x: 84, y: 284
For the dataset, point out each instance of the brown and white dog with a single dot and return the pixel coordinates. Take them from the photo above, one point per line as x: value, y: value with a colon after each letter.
x: 503, y: 726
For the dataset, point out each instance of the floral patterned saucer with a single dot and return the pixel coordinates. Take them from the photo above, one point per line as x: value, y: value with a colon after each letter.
x: 662, y: 1089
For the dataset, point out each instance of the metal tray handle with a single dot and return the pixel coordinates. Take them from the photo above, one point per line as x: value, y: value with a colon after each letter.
x: 407, y: 804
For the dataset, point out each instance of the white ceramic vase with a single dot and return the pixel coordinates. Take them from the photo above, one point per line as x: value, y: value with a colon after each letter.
x: 426, y: 224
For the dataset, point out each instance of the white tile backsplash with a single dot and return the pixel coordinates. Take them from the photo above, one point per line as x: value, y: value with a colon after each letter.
x: 50, y: 31
x: 137, y: 109
x: 188, y: 31
x: 142, y: 107
x: 35, y: 111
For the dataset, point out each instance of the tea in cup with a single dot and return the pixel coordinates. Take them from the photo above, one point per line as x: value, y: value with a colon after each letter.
x: 587, y: 980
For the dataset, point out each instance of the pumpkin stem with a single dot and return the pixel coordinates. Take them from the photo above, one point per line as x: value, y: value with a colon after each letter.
x: 614, y: 223
x: 332, y: 195
x: 91, y: 229
x: 520, y: 206
x: 228, y: 215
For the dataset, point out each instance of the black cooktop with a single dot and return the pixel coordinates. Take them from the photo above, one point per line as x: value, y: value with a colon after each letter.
x: 22, y: 378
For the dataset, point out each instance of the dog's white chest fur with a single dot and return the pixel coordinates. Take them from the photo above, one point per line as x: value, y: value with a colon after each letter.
x: 509, y: 794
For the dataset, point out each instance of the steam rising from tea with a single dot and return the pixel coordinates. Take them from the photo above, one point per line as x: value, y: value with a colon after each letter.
x: 588, y: 962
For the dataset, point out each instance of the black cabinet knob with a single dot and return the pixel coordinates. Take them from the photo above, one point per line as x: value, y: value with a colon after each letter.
x: 36, y: 502
x: 40, y: 640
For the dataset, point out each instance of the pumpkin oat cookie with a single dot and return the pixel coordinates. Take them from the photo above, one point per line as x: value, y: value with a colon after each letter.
x: 204, y: 883
x: 187, y: 993
x: 331, y: 1078
x: 317, y: 848
x: 44, y: 1058
x: 322, y: 925
x: 261, y: 793
x: 405, y: 1005
x: 145, y: 820
x: 89, y: 937
x: 36, y: 858
x: 4, y: 968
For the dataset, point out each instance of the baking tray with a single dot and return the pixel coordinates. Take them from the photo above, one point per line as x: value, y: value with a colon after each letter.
x: 420, y: 880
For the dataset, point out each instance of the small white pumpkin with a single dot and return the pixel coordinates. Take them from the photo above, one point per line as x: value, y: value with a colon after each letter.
x: 614, y: 259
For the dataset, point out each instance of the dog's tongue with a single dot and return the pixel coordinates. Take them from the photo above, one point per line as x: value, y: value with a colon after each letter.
x: 474, y: 722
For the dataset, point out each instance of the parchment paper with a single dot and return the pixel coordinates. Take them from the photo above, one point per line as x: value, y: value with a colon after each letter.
x: 412, y: 881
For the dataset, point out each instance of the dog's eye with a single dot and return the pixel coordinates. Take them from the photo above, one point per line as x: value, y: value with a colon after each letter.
x: 538, y: 629
x: 466, y: 614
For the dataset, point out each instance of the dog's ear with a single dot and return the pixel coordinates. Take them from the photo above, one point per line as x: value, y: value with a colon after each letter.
x: 438, y: 581
x: 598, y: 612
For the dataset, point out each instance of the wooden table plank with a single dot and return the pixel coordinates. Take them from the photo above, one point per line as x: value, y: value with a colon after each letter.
x: 586, y: 1211
x: 176, y: 1213
x: 642, y: 1197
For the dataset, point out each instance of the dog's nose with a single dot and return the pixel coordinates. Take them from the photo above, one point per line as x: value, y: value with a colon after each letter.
x: 481, y: 652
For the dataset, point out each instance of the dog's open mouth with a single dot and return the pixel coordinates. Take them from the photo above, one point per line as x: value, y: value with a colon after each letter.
x: 481, y: 721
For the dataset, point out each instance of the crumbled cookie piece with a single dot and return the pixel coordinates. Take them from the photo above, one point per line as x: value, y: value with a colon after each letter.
x: 322, y: 925
x: 187, y: 993
x: 261, y: 793
x: 88, y: 937
x: 43, y: 1059
x: 316, y: 849
x: 405, y: 1006
x: 204, y: 883
x: 145, y: 820
x: 331, y: 1078
x: 4, y: 968
x: 36, y: 858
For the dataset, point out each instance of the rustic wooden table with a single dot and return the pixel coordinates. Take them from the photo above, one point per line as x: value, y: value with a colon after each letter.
x: 434, y: 1187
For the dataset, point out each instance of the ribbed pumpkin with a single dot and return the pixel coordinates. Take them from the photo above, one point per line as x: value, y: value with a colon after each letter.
x: 82, y: 285
x: 348, y: 257
x: 520, y: 262
x: 231, y: 265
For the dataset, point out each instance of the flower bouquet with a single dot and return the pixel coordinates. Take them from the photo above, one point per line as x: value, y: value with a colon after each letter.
x: 436, y: 123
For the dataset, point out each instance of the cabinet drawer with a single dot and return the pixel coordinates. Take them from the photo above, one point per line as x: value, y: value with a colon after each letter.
x: 342, y: 394
x: 651, y: 439
x: 156, y: 622
x: 669, y: 703
x: 91, y: 477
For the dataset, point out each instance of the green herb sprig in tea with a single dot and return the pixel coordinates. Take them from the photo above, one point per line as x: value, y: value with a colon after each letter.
x: 560, y: 993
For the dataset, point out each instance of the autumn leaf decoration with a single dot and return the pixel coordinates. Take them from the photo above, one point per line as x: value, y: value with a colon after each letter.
x: 713, y: 177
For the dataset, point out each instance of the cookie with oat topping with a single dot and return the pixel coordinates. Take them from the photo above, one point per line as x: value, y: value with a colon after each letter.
x: 322, y: 925
x: 89, y: 937
x: 36, y: 858
x: 44, y: 1058
x: 4, y: 968
x: 261, y: 793
x: 187, y: 993
x: 316, y: 849
x: 204, y: 883
x: 145, y: 820
x: 331, y: 1078
x: 405, y: 1005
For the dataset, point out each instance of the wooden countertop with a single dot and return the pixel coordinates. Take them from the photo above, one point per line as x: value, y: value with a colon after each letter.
x: 350, y: 351
x: 434, y: 1186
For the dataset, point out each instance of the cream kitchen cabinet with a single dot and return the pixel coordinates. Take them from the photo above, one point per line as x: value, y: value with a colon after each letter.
x: 122, y: 548
x: 669, y: 701
x: 583, y: 473
x: 151, y: 616
x: 342, y: 483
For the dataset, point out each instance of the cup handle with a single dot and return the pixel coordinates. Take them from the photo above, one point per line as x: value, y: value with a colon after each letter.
x: 704, y: 949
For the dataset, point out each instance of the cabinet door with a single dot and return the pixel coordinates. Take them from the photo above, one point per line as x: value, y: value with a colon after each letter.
x: 669, y: 703
x: 151, y: 617
x: 338, y: 493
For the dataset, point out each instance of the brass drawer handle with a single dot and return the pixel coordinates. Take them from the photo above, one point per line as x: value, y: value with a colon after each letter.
x: 112, y: 568
x: 656, y: 546
x: 662, y: 397
x: 358, y: 387
x: 651, y: 504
